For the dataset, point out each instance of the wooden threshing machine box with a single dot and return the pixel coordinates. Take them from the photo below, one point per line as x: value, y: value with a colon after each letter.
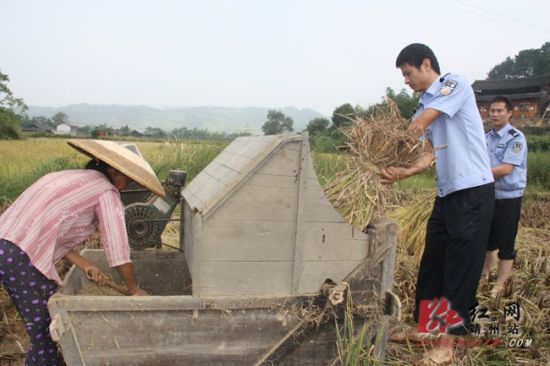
x: 256, y: 222
x: 259, y: 241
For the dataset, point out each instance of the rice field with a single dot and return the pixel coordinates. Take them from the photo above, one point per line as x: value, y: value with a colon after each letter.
x: 22, y: 162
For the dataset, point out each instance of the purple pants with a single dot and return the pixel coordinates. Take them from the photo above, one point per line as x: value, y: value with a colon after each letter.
x: 29, y: 290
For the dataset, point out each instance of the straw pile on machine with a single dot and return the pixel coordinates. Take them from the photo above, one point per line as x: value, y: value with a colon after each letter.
x: 377, y: 141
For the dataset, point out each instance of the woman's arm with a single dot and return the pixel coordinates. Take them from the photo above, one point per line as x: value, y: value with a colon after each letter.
x: 126, y: 271
x: 91, y: 270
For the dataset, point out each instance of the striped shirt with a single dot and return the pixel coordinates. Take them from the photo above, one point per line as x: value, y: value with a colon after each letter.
x: 59, y: 211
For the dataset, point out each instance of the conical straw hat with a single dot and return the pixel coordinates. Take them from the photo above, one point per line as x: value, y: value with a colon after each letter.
x: 125, y: 161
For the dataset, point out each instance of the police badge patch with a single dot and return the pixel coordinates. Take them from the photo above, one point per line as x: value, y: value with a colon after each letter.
x: 516, y: 147
x: 447, y: 87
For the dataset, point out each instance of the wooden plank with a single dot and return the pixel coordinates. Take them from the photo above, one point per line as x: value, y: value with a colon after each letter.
x: 70, y: 303
x: 229, y: 239
x: 221, y: 172
x: 319, y: 209
x: 316, y: 272
x: 333, y: 241
x: 243, y: 156
x: 188, y: 234
x: 317, y: 349
x: 312, y: 184
x: 252, y: 147
x: 245, y: 278
x: 284, y: 162
x: 276, y: 181
x: 385, y: 233
x: 297, y: 267
x: 234, y: 161
x: 211, y: 335
x: 265, y: 203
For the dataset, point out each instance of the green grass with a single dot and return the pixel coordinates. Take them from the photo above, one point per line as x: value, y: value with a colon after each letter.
x: 538, y: 169
x: 24, y: 161
x: 538, y: 143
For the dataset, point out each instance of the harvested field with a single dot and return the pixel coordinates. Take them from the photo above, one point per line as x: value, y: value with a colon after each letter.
x: 530, y: 285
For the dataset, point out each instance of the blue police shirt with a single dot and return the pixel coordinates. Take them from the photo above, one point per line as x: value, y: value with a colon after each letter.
x: 457, y: 135
x: 508, y: 146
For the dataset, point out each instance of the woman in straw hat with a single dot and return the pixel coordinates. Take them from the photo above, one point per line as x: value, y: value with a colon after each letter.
x: 55, y: 214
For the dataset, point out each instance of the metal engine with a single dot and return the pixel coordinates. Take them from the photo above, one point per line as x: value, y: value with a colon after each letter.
x: 145, y: 221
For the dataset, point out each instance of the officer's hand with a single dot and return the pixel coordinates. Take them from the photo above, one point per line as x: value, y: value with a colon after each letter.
x: 392, y: 174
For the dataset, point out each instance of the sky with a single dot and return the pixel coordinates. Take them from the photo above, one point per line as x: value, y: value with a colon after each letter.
x: 314, y: 54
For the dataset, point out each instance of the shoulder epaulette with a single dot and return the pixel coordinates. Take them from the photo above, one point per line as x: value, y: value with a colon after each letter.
x: 513, y: 132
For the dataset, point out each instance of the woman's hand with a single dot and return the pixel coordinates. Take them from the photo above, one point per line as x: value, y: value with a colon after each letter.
x: 138, y: 292
x: 93, y: 273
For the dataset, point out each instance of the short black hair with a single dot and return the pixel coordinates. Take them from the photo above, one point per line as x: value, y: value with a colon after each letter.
x: 99, y: 166
x: 414, y: 54
x: 503, y: 99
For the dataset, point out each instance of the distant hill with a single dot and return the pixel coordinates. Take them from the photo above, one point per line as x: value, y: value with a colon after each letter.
x: 249, y: 119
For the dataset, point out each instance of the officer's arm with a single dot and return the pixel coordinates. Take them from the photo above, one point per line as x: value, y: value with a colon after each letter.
x: 420, y: 123
x: 502, y: 170
x: 392, y: 174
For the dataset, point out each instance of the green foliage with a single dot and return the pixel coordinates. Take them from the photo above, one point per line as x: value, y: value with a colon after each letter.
x: 527, y: 63
x: 538, y: 143
x: 317, y: 126
x: 343, y: 115
x: 191, y: 157
x: 353, y: 346
x: 325, y: 143
x: 538, y: 169
x: 43, y: 123
x: 59, y: 118
x: 328, y: 165
x: 406, y: 103
x: 196, y: 134
x: 277, y: 122
x: 9, y: 125
x: 101, y: 131
x: 7, y: 100
x: 536, y: 131
x: 9, y: 121
x: 154, y: 132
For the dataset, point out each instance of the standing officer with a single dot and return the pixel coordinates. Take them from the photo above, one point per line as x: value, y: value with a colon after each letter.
x: 508, y: 155
x: 458, y: 228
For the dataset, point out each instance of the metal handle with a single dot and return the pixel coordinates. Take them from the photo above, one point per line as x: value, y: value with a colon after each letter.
x: 57, y: 328
x: 393, y: 305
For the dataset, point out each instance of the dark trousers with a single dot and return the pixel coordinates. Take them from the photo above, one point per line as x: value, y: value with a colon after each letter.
x: 29, y: 290
x: 504, y: 227
x: 456, y: 242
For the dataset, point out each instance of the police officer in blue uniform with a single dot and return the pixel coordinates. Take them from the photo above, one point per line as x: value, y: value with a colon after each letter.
x: 448, y: 120
x: 508, y: 154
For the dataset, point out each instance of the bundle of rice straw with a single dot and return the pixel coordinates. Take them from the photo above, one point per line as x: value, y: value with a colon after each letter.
x: 378, y: 141
x: 412, y: 220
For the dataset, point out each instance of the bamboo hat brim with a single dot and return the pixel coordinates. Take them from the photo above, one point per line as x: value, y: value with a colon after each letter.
x: 131, y: 165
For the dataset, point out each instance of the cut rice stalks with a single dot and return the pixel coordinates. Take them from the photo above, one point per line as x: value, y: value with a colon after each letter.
x: 378, y: 141
x: 412, y: 220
